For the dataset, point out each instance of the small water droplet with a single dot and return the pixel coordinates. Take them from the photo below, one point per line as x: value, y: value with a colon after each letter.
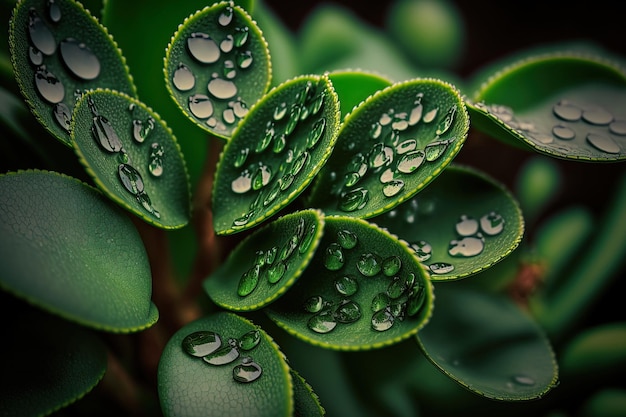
x: 316, y: 133
x: 248, y: 371
x: 382, y: 320
x: 523, y: 380
x: 131, y: 179
x: 322, y: 322
x: 244, y: 59
x: 280, y: 111
x: 392, y: 265
x: 416, y: 113
x: 430, y: 116
x: 441, y: 268
x: 40, y: 35
x: 492, y: 223
x: 261, y: 177
x: 354, y: 200
x: 155, y: 166
x: 393, y: 187
x: 241, y: 36
x: 200, y: 106
x: 597, y: 116
x: 249, y: 340
x: 145, y: 201
x: 563, y: 132
x: 386, y: 176
x: 423, y: 250
x: 183, y: 78
x: 286, y: 181
x: 35, y: 56
x: 314, y: 304
x: 376, y: 130
x: 243, y: 183
x: 299, y: 163
x: 222, y: 89
x: 226, y: 16
x: 406, y: 146
x: 466, y: 226
x: 385, y: 118
x: 357, y: 164
x: 369, y: 264
x: 224, y: 355
x: 333, y: 257
x: 603, y: 143
x: 447, y: 121
x: 201, y: 343
x: 317, y: 103
x: 63, y: 116
x: 618, y: 127
x: 227, y: 44
x: 346, y: 285
x: 54, y: 11
x: 434, y: 150
x: 141, y: 130
x: 397, y: 287
x: 49, y: 86
x: 411, y: 161
x: 380, y: 155
x: 380, y: 302
x: 203, y: 48
x: 347, y: 239
x: 567, y: 111
x: 248, y: 281
x: 241, y: 157
x: 416, y: 300
x: 347, y: 312
x: 294, y: 117
x: 276, y: 271
x: 105, y: 135
x: 81, y: 61
x: 466, y: 247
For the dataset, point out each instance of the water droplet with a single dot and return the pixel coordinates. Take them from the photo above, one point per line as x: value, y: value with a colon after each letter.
x: 226, y: 16
x: 49, y: 86
x: 434, y: 150
x: 523, y: 380
x: 347, y: 239
x: 385, y: 118
x: 227, y: 44
x: 380, y: 155
x: 248, y: 281
x: 382, y: 320
x: 243, y: 220
x: 294, y: 117
x: 354, y: 200
x: 222, y: 89
x: 144, y: 200
x: 447, y: 121
x: 466, y: 226
x: 241, y: 36
x: 376, y: 130
x: 314, y: 304
x: 224, y: 355
x: 183, y: 78
x: 351, y: 178
x: 276, y: 271
x: 346, y: 285
x: 567, y: 111
x: 286, y: 181
x: 249, y: 340
x: 261, y: 177
x: 141, y: 131
x: 203, y: 48
x: 54, y: 11
x: 597, y: 116
x: 244, y: 59
x: 416, y: 300
x: 369, y: 264
x: 280, y: 111
x: 357, y: 164
x: 563, y: 132
x: 240, y: 108
x: 80, y: 59
x: 201, y: 106
x: 400, y: 123
x: 347, y: 312
x: 299, y: 163
x: 323, y: 322
x: 618, y: 127
x: 466, y: 247
x: 386, y: 176
x: 416, y: 113
x: 243, y: 183
x: 131, y: 178
x: 542, y: 137
x: 392, y: 138
x: 241, y: 157
x: 333, y: 257
x: 423, y: 250
x: 411, y: 161
x: 63, y: 116
x: 317, y: 103
x: 603, y: 143
x: 397, y: 288
x: 248, y: 371
x: 201, y: 343
x: 155, y: 166
x: 228, y: 116
x: 393, y: 187
x: 104, y: 133
x: 441, y: 268
x: 40, y: 35
x: 316, y: 133
x: 380, y: 302
x: 492, y: 223
x: 307, y: 240
x: 35, y: 56
x: 392, y: 265
x: 406, y: 146
x: 430, y: 116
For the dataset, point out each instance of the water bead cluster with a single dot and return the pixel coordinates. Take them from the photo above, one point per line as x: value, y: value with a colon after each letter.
x: 209, y: 346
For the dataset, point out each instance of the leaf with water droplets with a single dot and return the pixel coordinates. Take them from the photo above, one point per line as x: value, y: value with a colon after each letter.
x: 276, y: 254
x: 257, y: 382
x: 133, y: 157
x: 354, y: 320
x: 463, y: 223
x: 390, y: 147
x: 217, y: 66
x: 53, y: 62
x: 275, y: 152
x: 489, y: 345
x: 75, y: 361
x: 565, y: 105
x: 67, y: 249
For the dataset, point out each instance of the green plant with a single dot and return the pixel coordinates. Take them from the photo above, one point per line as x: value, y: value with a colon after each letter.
x: 253, y: 223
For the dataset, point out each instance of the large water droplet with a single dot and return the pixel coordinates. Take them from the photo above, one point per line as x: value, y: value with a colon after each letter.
x: 105, y: 135
x: 597, y: 115
x: 299, y: 163
x: 466, y: 226
x: 241, y: 157
x: 141, y: 130
x: 249, y: 340
x: 430, y: 116
x: 434, y: 150
x: 314, y: 304
x: 54, y: 11
x: 248, y: 371
x: 492, y: 223
x: 276, y: 271
x: 411, y: 161
x: 347, y: 239
x: 224, y: 355
x: 183, y: 78
x: 466, y: 247
x: 406, y: 146
x: 441, y: 268
x: 369, y: 264
x: 40, y: 35
x: 222, y: 89
x: 346, y: 285
x: 49, y: 86
x: 618, y: 127
x: 248, y: 281
x: 397, y: 287
x: 333, y: 257
x: 80, y: 59
x: 393, y: 187
x: 131, y: 179
x: 357, y: 164
x: 382, y: 320
x: 567, y: 111
x: 416, y: 300
x: 63, y: 116
x: 200, y: 106
x: 146, y: 203
x: 155, y: 165
x: 316, y: 133
x: 347, y: 312
x: 307, y: 240
x: 392, y: 265
x: 603, y: 143
x: 447, y: 121
x: 243, y: 183
x: 201, y: 343
x: 354, y: 200
x: 323, y: 322
x: 203, y: 48
x: 376, y: 130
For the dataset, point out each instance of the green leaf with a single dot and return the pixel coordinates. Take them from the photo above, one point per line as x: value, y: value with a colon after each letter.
x: 47, y: 363
x: 52, y: 59
x: 353, y: 87
x: 203, y: 383
x: 66, y: 249
x: 363, y: 289
x: 488, y: 345
x: 133, y: 157
x: 275, y: 153
x: 217, y: 66
x: 463, y: 223
x: 537, y: 185
x: 307, y: 403
x: 265, y: 264
x: 565, y: 105
x: 390, y: 147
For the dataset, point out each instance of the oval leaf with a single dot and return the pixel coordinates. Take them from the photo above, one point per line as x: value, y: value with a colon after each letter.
x: 264, y: 265
x: 66, y: 249
x: 133, y: 157
x: 275, y: 152
x: 578, y: 113
x: 463, y: 223
x: 74, y: 361
x: 364, y: 289
x: 217, y: 65
x: 221, y: 363
x: 488, y: 345
x: 390, y: 147
x: 52, y: 59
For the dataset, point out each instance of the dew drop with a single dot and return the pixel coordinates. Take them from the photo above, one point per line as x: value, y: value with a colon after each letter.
x: 357, y: 164
x: 411, y: 161
x: 241, y: 157
x: 416, y: 113
x: 280, y: 111
x: 347, y: 239
x: 323, y: 322
x: 200, y: 106
x: 314, y: 304
x: 222, y: 89
x: 397, y: 287
x: 248, y: 371
x: 423, y: 250
x: 563, y: 132
x: 104, y: 133
x: 183, y: 78
x: 241, y: 36
x: 492, y: 223
x: 354, y: 200
x: 441, y: 268
x: 466, y: 247
x: 603, y: 143
x: 294, y: 117
x: 155, y: 166
x: 406, y: 146
x: 392, y: 265
x: 523, y: 380
x: 270, y: 255
x: 280, y: 141
x: 144, y: 200
x: 299, y: 163
x: 447, y: 121
x: 201, y: 343
x: 286, y: 181
x: 141, y: 131
x: 380, y: 302
x: 382, y: 320
x: 307, y: 240
x: 567, y: 111
x: 333, y: 257
x: 224, y: 355
x: 376, y: 130
x: 243, y: 183
x: 49, y: 86
x: 347, y: 312
x: 227, y: 44
x: 248, y: 281
x: 380, y: 155
x: 249, y: 340
x: 228, y: 116
x: 416, y: 300
x: 393, y: 187
x: 54, y: 11
x: 316, y: 133
x: 618, y: 127
x: 369, y: 264
x: 63, y: 116
x: 386, y: 176
x: 80, y: 59
x: 40, y: 35
x: 131, y: 179
x: 203, y: 48
x: 261, y: 177
x: 226, y: 16
x: 597, y: 116
x: 434, y: 150
x: 351, y: 178
x: 430, y: 116
x: 243, y: 220
x: 346, y: 285
x: 276, y: 271
x: 244, y: 59
x: 385, y: 118
x: 35, y: 56
x: 466, y: 226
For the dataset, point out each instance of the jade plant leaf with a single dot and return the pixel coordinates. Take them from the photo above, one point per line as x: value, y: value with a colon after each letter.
x: 564, y: 105
x: 486, y: 343
x: 364, y: 289
x: 52, y: 60
x: 133, y: 157
x: 390, y: 147
x: 75, y: 361
x: 217, y: 66
x: 354, y: 86
x: 220, y: 363
x: 275, y: 152
x: 463, y: 223
x: 307, y: 403
x: 265, y: 264
x: 68, y: 250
